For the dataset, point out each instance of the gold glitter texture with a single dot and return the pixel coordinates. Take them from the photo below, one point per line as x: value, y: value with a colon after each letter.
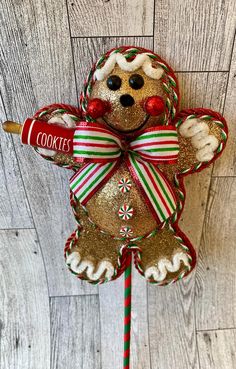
x: 105, y: 204
x: 94, y: 245
x: 132, y: 117
x: 162, y: 245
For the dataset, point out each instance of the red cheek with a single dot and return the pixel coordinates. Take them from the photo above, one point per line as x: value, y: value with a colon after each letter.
x: 97, y: 108
x: 154, y: 105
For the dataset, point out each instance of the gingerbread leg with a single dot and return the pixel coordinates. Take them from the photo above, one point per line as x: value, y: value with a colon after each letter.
x: 166, y: 257
x: 93, y: 255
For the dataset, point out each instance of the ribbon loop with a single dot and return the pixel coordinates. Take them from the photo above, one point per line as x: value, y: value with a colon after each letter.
x: 93, y: 141
x: 103, y: 149
x: 157, y: 145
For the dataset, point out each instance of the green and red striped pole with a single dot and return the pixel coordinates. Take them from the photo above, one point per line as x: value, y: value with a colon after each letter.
x: 127, y: 311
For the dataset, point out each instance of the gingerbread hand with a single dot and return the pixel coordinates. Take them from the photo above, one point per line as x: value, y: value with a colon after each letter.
x: 202, y: 138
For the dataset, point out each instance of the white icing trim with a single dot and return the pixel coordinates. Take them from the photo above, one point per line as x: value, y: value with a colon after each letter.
x: 86, y: 266
x: 141, y: 60
x: 154, y: 73
x: 159, y: 272
x: 196, y: 139
x: 198, y: 131
x: 191, y: 127
x: 56, y: 120
x: 108, y: 67
x: 70, y: 123
x: 210, y: 141
x: 66, y: 121
x: 204, y: 154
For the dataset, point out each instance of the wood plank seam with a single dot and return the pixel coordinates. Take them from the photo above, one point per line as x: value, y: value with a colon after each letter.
x: 226, y: 90
x: 216, y: 329
x: 194, y: 304
x: 16, y: 228
x: 194, y: 277
x: 72, y: 50
x: 116, y: 36
x: 148, y: 325
x: 154, y: 15
x: 194, y: 287
x: 76, y: 295
x: 230, y: 65
x: 141, y: 13
x: 201, y: 71
x: 36, y: 231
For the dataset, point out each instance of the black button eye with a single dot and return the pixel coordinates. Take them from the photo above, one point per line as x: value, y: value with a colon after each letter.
x: 136, y: 81
x: 113, y: 83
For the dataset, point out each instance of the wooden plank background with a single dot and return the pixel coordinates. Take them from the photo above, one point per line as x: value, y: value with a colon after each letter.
x: 48, y: 319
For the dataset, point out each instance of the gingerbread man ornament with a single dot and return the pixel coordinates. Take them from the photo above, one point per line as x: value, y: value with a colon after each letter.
x: 130, y: 149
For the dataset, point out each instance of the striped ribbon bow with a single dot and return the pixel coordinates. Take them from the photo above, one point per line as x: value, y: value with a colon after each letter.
x: 102, y: 152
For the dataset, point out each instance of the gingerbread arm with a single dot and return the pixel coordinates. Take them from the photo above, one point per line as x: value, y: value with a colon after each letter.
x: 50, y: 131
x: 202, y: 138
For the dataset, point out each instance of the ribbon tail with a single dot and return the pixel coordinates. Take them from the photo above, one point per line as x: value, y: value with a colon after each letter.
x: 154, y: 186
x: 90, y: 178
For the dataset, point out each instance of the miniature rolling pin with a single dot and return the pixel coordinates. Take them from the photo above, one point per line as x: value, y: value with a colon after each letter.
x: 41, y: 134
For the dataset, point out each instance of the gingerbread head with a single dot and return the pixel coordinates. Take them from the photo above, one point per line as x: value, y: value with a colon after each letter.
x: 130, y: 150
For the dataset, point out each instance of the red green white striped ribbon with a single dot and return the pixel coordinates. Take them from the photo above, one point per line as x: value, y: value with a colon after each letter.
x: 154, y: 185
x: 93, y: 141
x: 158, y: 144
x: 90, y: 178
x: 102, y: 151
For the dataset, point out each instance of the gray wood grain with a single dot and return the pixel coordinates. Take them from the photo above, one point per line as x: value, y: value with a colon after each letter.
x: 171, y: 309
x: 111, y: 18
x: 111, y: 316
x: 75, y: 333
x: 36, y: 61
x: 205, y: 90
x: 216, y: 292
x: 140, y: 349
x: 53, y: 218
x: 88, y: 50
x: 24, y: 308
x: 37, y: 68
x: 226, y: 166
x: 172, y: 326
x: 14, y: 207
x: 217, y: 349
x: 197, y: 35
x: 199, y: 90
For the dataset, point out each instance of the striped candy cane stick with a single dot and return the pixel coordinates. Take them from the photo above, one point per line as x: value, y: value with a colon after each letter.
x: 127, y: 312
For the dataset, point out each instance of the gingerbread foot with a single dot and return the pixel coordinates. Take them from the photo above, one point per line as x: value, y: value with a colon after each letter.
x: 99, y: 261
x: 93, y: 271
x: 165, y: 257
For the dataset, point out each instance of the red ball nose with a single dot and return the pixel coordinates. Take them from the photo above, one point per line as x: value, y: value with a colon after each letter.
x: 97, y: 108
x: 154, y: 105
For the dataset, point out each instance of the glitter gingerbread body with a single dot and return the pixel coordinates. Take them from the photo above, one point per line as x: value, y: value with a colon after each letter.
x: 117, y: 216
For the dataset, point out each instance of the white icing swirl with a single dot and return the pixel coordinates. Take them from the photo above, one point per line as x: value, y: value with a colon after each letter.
x: 198, y: 131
